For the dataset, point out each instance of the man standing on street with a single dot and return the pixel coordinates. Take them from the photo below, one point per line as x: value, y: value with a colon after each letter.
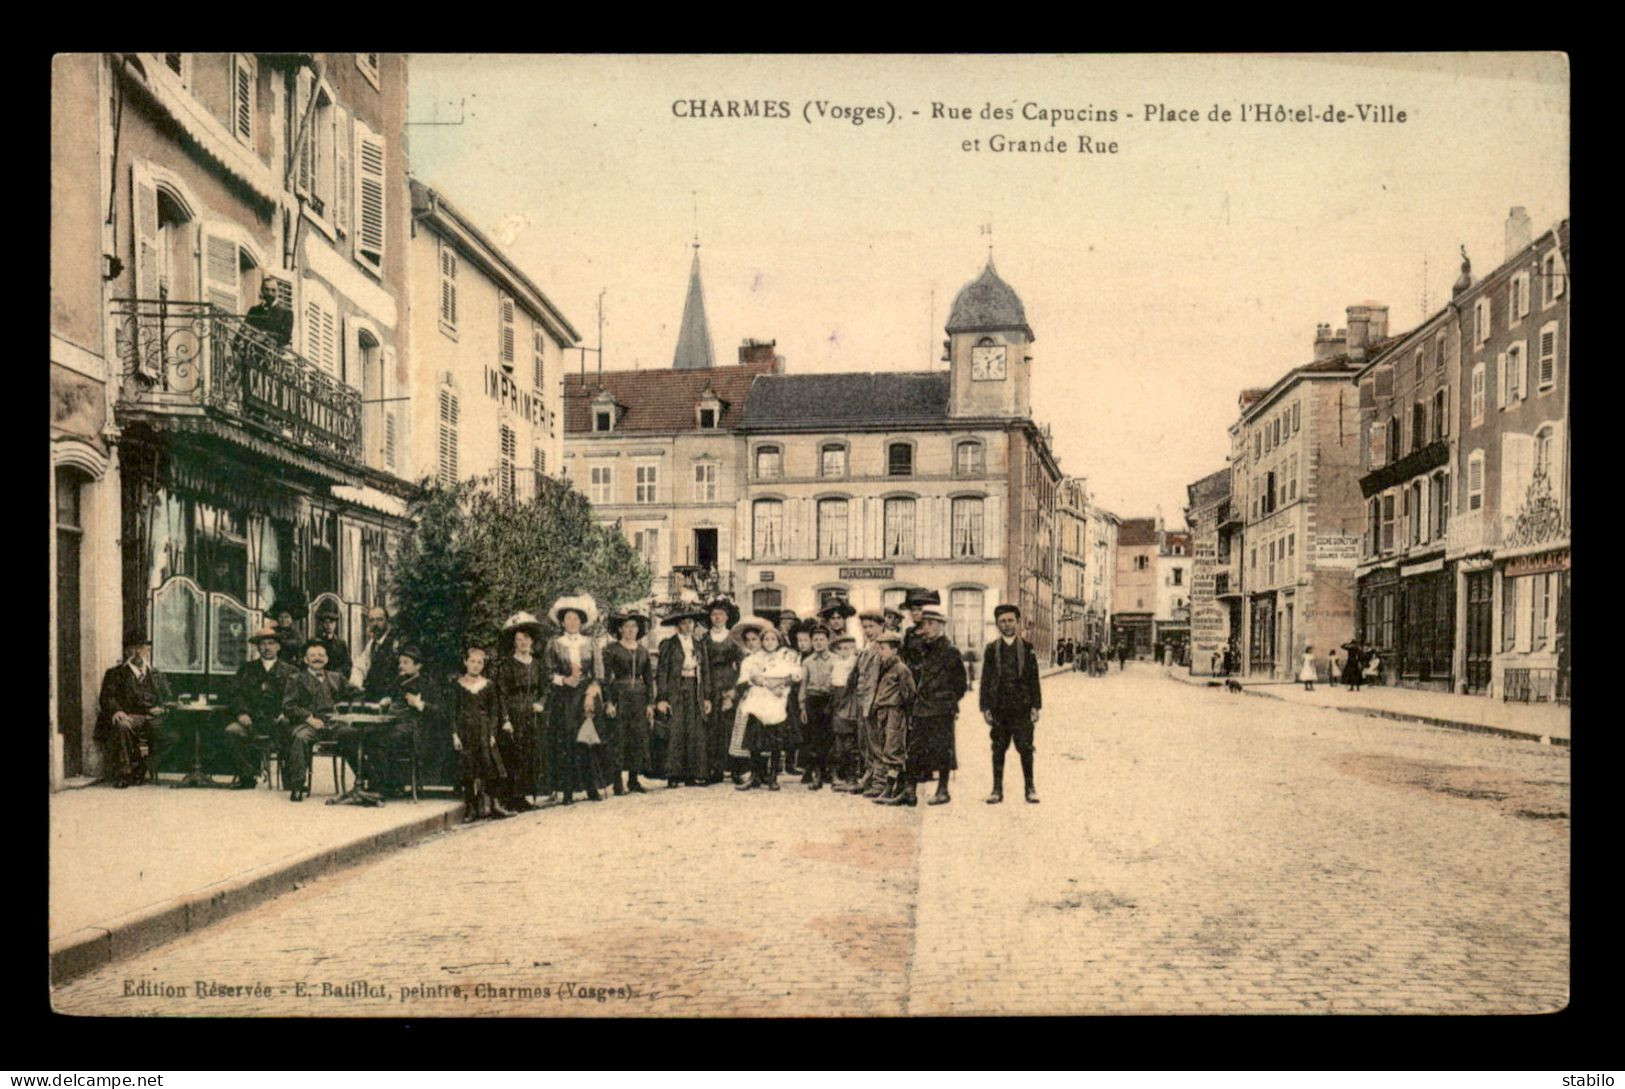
x: 940, y: 678
x: 377, y: 666
x: 1010, y: 699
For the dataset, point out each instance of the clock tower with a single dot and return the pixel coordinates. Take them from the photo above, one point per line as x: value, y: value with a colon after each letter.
x: 989, y: 350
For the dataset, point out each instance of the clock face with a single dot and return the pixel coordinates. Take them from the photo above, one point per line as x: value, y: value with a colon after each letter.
x: 987, y: 363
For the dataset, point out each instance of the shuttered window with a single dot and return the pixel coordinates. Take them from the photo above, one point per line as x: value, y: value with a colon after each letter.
x: 1475, y: 480
x: 898, y: 527
x: 1547, y: 373
x: 967, y: 527
x: 767, y: 528
x: 1478, y: 394
x: 221, y: 272
x: 832, y: 528
x: 538, y: 458
x: 505, y: 467
x: 505, y: 332
x: 538, y: 342
x: 341, y: 209
x: 370, y: 199
x: 647, y: 484
x: 242, y: 97
x: 448, y: 438
x: 448, y: 287
x: 321, y: 335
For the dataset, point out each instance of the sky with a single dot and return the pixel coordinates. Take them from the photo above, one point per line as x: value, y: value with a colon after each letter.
x: 1160, y: 278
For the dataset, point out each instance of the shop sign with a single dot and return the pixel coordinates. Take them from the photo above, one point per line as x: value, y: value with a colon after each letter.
x: 1337, y: 550
x: 765, y: 576
x: 1539, y: 563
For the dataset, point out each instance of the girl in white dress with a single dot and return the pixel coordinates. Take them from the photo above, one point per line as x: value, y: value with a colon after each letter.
x: 770, y: 672
x: 1307, y: 673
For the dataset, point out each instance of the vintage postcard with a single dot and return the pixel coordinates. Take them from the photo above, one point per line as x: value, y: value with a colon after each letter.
x: 697, y: 536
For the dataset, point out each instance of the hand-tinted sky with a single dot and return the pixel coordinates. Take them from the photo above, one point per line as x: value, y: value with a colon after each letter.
x: 1159, y: 281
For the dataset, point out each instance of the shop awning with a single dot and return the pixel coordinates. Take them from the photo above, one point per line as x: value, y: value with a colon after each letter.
x: 370, y: 498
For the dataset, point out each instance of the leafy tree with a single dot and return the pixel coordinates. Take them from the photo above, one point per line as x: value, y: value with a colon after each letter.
x: 472, y: 559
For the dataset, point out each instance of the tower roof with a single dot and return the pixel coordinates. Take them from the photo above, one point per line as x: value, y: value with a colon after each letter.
x: 694, y: 338
x: 987, y: 303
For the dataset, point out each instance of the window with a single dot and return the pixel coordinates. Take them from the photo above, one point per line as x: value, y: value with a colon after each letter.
x: 769, y: 463
x: 1439, y: 504
x: 832, y: 529
x: 1419, y: 425
x: 967, y: 523
x: 538, y: 342
x: 647, y: 544
x: 505, y: 466
x: 447, y: 474
x: 1440, y: 407
x: 832, y: 460
x: 1373, y: 527
x: 705, y: 482
x: 1517, y: 298
x: 1543, y: 450
x: 1551, y: 279
x: 505, y: 332
x: 768, y: 597
x: 1546, y: 372
x: 1413, y: 512
x: 242, y: 97
x: 1270, y: 493
x: 1178, y: 575
x: 370, y: 196
x: 1540, y: 611
x: 448, y: 288
x: 968, y: 459
x: 1478, y: 394
x: 1395, y: 450
x: 1388, y: 523
x: 1252, y: 561
x: 1421, y: 362
x: 1275, y: 432
x: 368, y: 63
x: 1141, y: 563
x: 767, y: 528
x: 538, y: 459
x: 1297, y: 419
x: 1481, y: 321
x: 898, y: 527
x: 708, y: 418
x: 321, y: 330
x: 1258, y: 444
x: 965, y: 617
x: 899, y: 459
x: 647, y: 483
x: 1509, y: 613
x: 1292, y: 477
x: 1269, y: 570
x: 601, y: 484
x: 1475, y: 480
x: 1438, y: 353
x: 1513, y: 385
x: 1387, y: 630
x: 603, y: 419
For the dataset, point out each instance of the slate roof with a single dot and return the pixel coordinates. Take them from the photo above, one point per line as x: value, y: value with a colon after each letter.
x: 1210, y: 489
x: 807, y: 402
x: 662, y: 400
x: 1137, y: 531
x: 987, y: 303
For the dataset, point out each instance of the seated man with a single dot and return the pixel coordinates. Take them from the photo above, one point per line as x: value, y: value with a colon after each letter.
x: 131, y: 714
x: 309, y: 703
x: 257, y: 705
x: 420, y: 709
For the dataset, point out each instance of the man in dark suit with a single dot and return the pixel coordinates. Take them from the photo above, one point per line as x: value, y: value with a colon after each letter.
x: 1010, y: 699
x: 309, y: 703
x: 939, y: 673
x: 257, y: 705
x: 338, y: 651
x: 377, y: 668
x: 131, y: 713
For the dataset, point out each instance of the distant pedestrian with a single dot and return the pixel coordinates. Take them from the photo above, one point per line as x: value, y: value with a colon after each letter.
x: 1352, y: 671
x: 1122, y: 656
x: 1333, y: 667
x: 1306, y: 673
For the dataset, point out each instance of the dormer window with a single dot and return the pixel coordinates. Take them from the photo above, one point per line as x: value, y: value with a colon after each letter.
x: 708, y: 418
x: 603, y: 419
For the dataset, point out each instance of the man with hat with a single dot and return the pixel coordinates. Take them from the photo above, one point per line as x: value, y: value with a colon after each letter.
x: 895, y: 693
x: 722, y: 654
x: 420, y: 719
x: 287, y: 633
x: 338, y: 651
x: 871, y: 742
x: 939, y: 674
x: 892, y: 620
x: 916, y: 603
x: 257, y: 704
x: 681, y: 684
x: 1010, y: 699
x: 131, y: 713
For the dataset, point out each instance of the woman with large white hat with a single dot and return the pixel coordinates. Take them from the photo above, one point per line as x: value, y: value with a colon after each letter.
x: 521, y: 688
x: 573, y: 698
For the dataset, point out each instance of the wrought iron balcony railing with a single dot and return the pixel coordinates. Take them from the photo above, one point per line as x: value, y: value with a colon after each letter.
x: 175, y: 354
x: 698, y: 583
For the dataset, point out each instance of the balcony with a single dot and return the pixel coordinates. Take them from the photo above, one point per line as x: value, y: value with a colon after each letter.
x: 697, y: 584
x: 1231, y: 515
x: 184, y: 357
x: 1226, y: 586
x: 1413, y: 464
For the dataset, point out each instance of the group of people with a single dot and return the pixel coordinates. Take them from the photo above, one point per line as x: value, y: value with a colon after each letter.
x: 536, y: 721
x: 1360, y: 665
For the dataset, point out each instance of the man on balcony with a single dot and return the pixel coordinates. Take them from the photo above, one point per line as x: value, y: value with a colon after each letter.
x: 270, y: 318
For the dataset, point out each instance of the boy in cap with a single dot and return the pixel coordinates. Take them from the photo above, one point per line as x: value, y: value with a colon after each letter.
x: 817, y: 700
x: 843, y: 715
x: 1010, y: 699
x: 894, y: 696
x: 939, y: 674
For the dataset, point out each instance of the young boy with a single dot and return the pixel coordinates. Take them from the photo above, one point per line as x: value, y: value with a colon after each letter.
x: 843, y: 713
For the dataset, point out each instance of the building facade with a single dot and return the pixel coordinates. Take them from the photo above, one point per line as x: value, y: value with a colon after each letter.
x: 487, y: 389
x: 1207, y: 513
x: 1072, y: 560
x: 1171, y: 621
x: 1510, y: 516
x: 1100, y: 574
x: 1300, y: 453
x: 1134, y: 591
x: 249, y: 475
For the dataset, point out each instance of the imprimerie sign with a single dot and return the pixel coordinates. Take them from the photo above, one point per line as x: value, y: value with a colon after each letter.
x: 502, y: 388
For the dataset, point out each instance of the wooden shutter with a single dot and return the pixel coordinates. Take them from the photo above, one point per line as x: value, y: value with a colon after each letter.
x: 304, y: 88
x: 144, y: 219
x: 220, y: 271
x: 389, y: 439
x: 538, y: 341
x: 1517, y: 465
x: 506, y: 329
x: 242, y: 97
x: 1548, y: 355
x: 370, y: 197
x: 1501, y: 379
x: 448, y: 437
x: 448, y: 285
x: 321, y: 334
x: 343, y: 169
x: 1523, y: 369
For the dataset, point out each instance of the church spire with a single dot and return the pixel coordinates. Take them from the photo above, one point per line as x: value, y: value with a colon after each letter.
x: 694, y: 338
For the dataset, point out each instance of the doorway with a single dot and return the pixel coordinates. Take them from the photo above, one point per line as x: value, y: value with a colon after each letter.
x: 1480, y: 617
x: 705, y: 548
x: 70, y: 705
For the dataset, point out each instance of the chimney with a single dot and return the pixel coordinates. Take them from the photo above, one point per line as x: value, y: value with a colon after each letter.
x: 1359, y: 327
x: 1327, y: 345
x: 756, y: 351
x: 1518, y: 232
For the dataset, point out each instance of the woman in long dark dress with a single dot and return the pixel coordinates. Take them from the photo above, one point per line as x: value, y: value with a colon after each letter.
x: 571, y: 667
x: 628, y: 699
x: 722, y: 657
x: 680, y: 691
x: 475, y: 722
x: 521, y: 685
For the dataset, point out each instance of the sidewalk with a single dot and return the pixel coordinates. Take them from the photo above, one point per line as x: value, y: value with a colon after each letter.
x: 1527, y: 721
x: 130, y: 869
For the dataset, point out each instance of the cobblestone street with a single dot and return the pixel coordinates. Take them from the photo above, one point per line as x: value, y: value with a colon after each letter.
x: 1194, y: 851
